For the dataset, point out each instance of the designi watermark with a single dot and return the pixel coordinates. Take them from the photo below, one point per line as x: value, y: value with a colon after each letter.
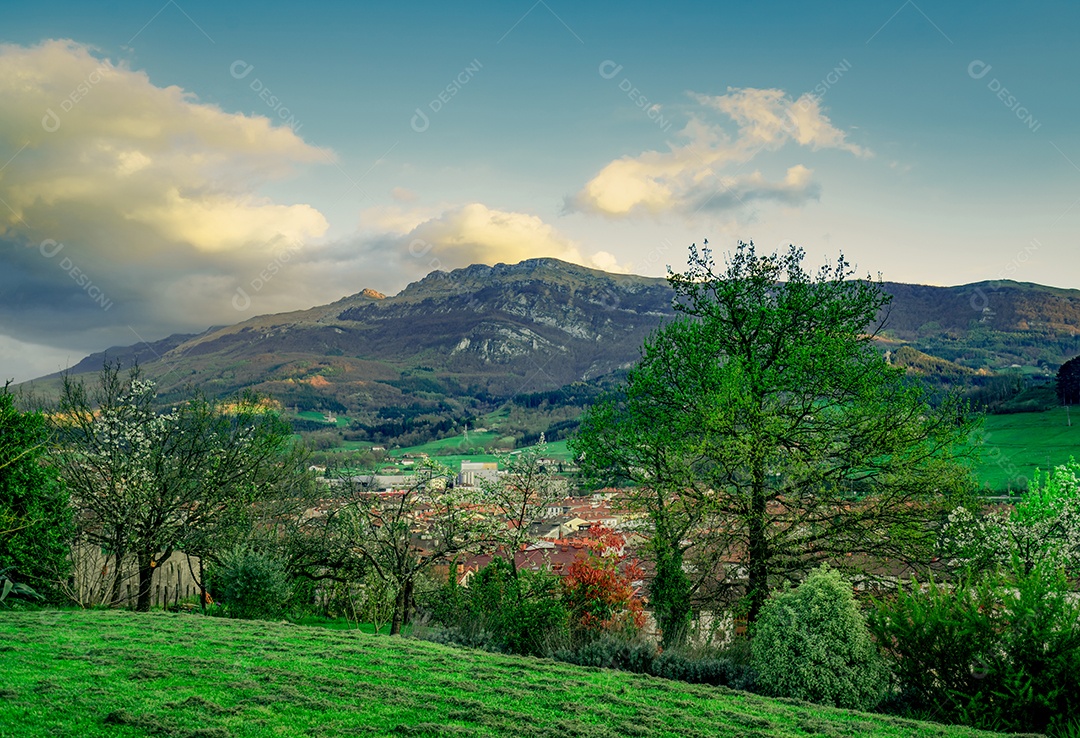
x: 241, y: 301
x: 420, y: 121
x: 610, y: 69
x: 978, y: 69
x: 980, y: 302
x: 50, y: 249
x: 51, y: 120
x: 240, y: 69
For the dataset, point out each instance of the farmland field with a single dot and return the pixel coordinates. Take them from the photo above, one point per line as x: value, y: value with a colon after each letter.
x: 556, y: 449
x: 1015, y: 445
x: 117, y: 673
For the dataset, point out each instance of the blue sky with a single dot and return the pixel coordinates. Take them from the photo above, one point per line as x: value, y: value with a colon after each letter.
x: 209, y: 162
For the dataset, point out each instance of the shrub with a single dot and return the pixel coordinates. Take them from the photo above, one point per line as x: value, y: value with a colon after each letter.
x: 717, y: 670
x: 251, y: 584
x: 36, y: 516
x: 997, y: 650
x: 812, y: 643
x: 641, y: 656
x: 613, y: 651
x: 514, y: 613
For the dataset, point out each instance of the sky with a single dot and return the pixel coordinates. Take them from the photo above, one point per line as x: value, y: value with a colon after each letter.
x: 169, y: 167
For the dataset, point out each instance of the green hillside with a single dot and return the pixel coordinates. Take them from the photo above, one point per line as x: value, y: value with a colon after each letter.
x: 115, y: 673
x: 1017, y: 444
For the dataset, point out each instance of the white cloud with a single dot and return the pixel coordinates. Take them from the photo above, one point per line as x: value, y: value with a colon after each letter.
x: 474, y: 233
x: 100, y: 139
x: 769, y: 118
x: 152, y: 194
x: 703, y: 173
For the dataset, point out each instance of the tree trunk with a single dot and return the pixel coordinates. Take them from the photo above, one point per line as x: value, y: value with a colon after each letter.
x: 399, y: 609
x: 118, y: 561
x: 146, y: 581
x: 407, y: 610
x: 757, y: 549
x: 198, y: 579
x: 670, y: 592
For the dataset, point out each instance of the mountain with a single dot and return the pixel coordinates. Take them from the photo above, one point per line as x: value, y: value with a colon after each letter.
x: 543, y: 335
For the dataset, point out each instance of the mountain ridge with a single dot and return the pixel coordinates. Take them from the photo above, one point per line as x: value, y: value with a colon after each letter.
x: 458, y: 344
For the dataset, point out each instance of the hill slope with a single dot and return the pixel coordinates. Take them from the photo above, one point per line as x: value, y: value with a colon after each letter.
x: 97, y: 673
x: 455, y: 346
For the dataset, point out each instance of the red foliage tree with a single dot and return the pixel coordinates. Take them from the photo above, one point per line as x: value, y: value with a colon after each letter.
x: 599, y: 588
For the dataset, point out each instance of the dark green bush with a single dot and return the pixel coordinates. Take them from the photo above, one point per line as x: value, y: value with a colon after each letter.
x: 812, y: 643
x: 513, y: 613
x: 703, y: 669
x: 250, y: 584
x: 641, y: 656
x: 996, y: 649
x: 612, y: 651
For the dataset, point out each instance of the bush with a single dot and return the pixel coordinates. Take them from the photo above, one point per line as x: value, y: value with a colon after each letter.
x: 719, y: 671
x: 613, y: 651
x: 812, y: 643
x: 641, y: 656
x: 502, y: 611
x: 251, y: 584
x: 997, y: 650
x: 599, y: 590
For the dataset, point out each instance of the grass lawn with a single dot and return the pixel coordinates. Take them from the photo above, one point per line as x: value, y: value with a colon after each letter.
x: 116, y: 673
x: 343, y: 624
x: 1016, y: 444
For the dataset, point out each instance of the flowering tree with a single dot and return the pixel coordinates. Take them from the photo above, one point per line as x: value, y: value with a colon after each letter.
x: 1044, y: 527
x: 145, y: 484
x: 523, y: 493
x: 599, y: 588
x: 399, y: 536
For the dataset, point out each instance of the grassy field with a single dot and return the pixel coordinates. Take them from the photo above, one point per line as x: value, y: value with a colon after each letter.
x: 556, y: 450
x: 97, y: 673
x: 340, y: 421
x: 1016, y: 444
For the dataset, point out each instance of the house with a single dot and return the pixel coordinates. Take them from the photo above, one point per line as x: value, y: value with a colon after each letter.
x: 477, y: 471
x: 558, y: 527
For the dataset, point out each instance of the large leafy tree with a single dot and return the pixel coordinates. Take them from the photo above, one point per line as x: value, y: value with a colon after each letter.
x: 146, y: 484
x: 35, y: 516
x: 1068, y: 382
x: 763, y: 434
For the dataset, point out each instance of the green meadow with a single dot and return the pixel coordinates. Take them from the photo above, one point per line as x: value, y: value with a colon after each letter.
x: 1015, y: 445
x: 118, y: 673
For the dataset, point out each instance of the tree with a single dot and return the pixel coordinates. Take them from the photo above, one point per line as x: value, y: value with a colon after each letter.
x: 402, y: 535
x: 763, y: 433
x: 523, y: 493
x: 35, y: 514
x: 599, y: 588
x: 147, y: 484
x: 1068, y: 382
x: 1042, y: 529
